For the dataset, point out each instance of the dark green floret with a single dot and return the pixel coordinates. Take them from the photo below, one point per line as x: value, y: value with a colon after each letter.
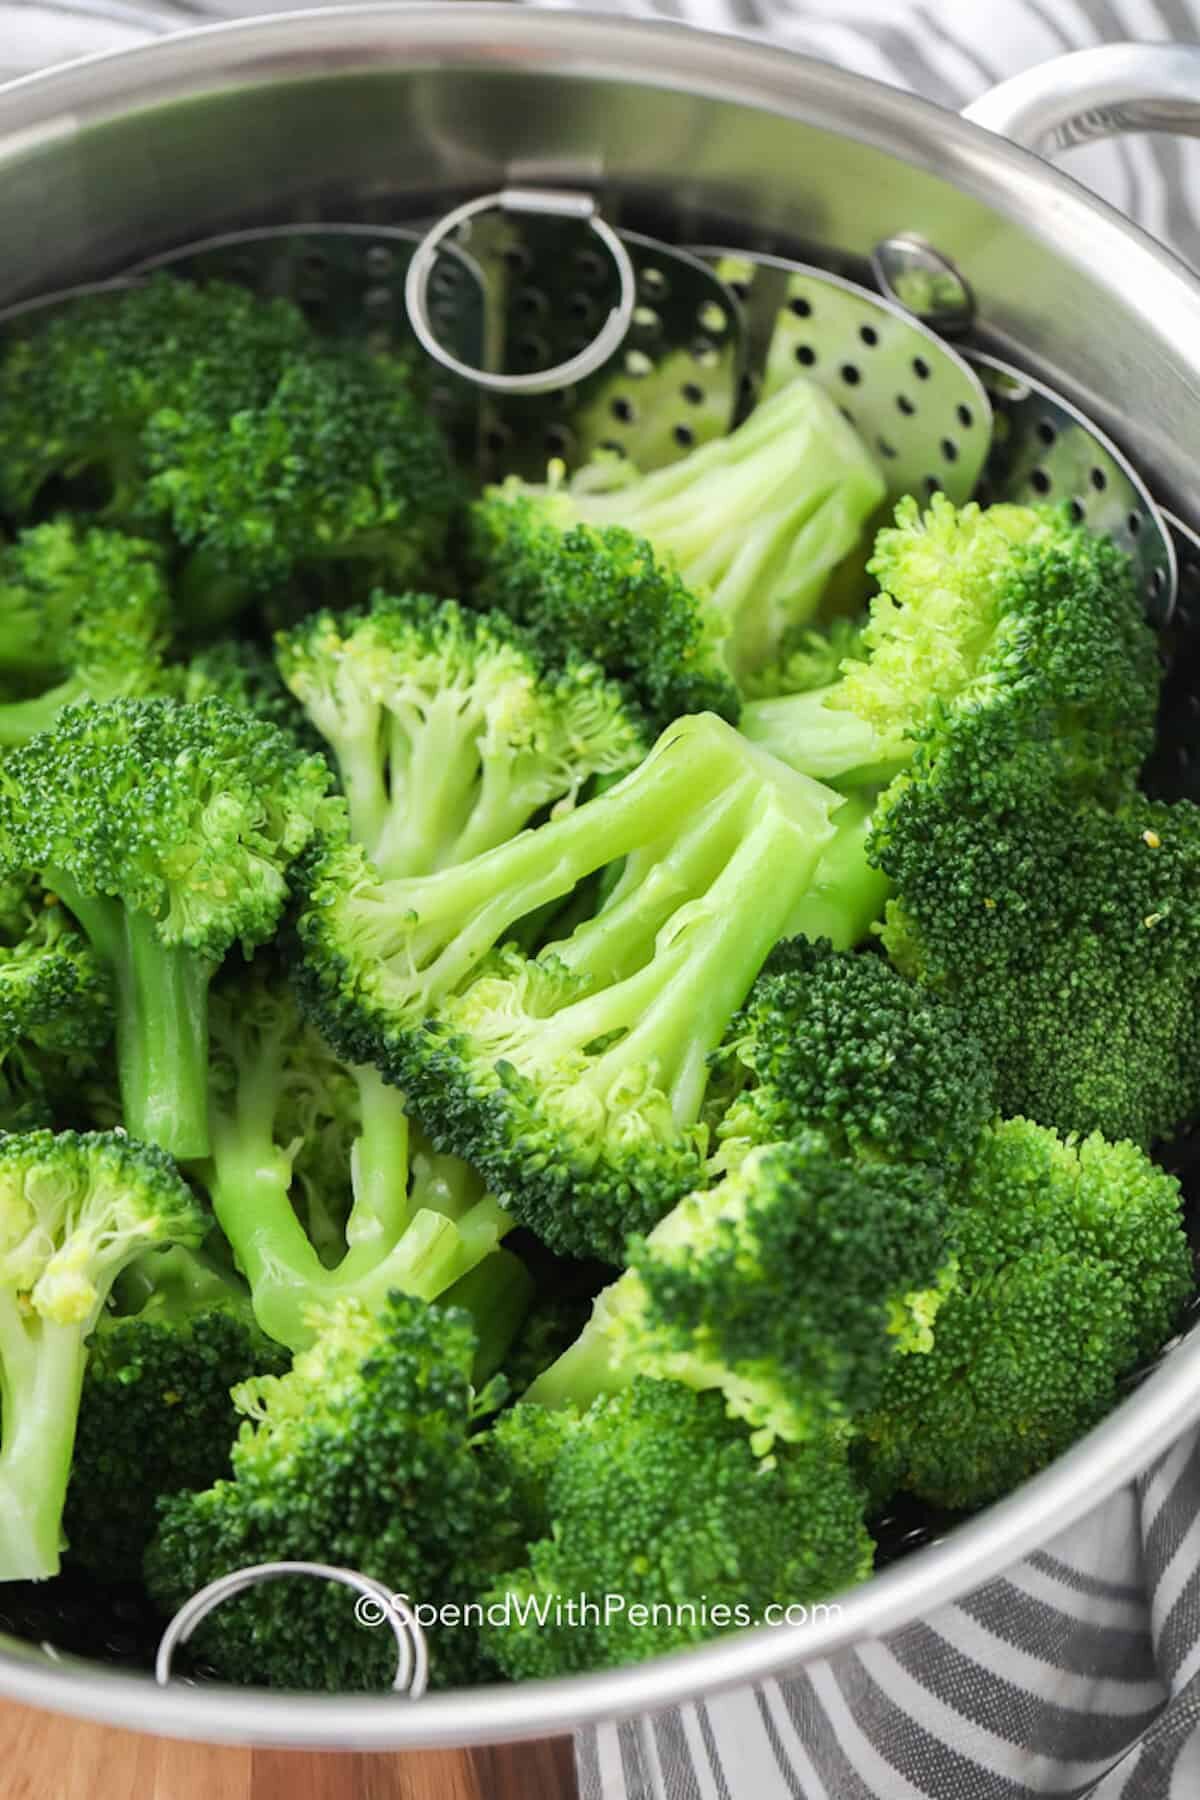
x: 84, y: 615
x: 749, y: 527
x: 314, y: 1174
x: 842, y: 1045
x: 244, y: 675
x: 789, y: 1287
x: 79, y: 385
x: 1066, y: 935
x: 575, y: 1080
x: 55, y: 1004
x: 655, y: 1498
x: 334, y: 480
x: 361, y: 1456
x: 156, y: 1416
x: 168, y: 831
x: 449, y: 730
x: 1071, y: 1265
x: 74, y: 1211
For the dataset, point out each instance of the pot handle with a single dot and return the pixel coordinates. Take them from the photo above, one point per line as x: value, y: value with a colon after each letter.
x: 1096, y: 93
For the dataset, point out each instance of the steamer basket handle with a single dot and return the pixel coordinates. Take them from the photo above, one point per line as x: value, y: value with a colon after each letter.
x: 1089, y: 94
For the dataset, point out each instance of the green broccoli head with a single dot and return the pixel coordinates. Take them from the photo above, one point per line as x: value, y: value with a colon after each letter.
x: 312, y: 1172
x: 168, y: 831
x: 337, y: 475
x: 655, y: 1498
x: 1066, y: 935
x: 789, y: 1287
x: 1072, y: 1264
x: 80, y: 384
x: 994, y: 628
x: 449, y: 729
x: 83, y: 616
x: 74, y: 1211
x: 156, y: 1415
x: 360, y: 1456
x: 839, y: 1043
x: 602, y: 592
x: 55, y: 994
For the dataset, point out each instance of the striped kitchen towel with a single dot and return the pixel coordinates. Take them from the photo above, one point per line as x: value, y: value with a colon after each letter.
x: 1078, y: 1673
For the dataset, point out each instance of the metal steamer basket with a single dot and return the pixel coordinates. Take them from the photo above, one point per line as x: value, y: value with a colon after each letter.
x: 672, y: 215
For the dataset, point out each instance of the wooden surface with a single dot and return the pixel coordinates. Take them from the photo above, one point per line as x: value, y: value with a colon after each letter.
x: 43, y: 1757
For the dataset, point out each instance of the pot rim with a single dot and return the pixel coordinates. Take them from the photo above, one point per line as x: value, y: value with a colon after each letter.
x: 52, y: 105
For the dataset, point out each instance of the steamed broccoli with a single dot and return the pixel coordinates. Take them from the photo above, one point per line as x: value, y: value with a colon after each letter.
x: 156, y: 1415
x: 244, y: 675
x: 80, y: 384
x: 656, y: 1509
x: 361, y: 1456
x: 55, y: 1004
x: 83, y: 616
x: 843, y: 1045
x: 1066, y: 935
x: 168, y: 831
x: 74, y: 1209
x: 789, y: 1286
x: 752, y: 524
x: 574, y: 1080
x: 291, y: 1125
x: 1008, y: 627
x: 449, y: 731
x: 332, y: 480
x: 1071, y: 1265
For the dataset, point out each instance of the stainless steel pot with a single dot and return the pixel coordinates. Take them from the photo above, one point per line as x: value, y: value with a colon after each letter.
x: 394, y: 113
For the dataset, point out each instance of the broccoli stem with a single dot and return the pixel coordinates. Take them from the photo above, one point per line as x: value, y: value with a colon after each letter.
x: 360, y: 769
x: 464, y: 912
x: 162, y: 1021
x: 589, y: 1367
x: 379, y: 1170
x: 434, y: 766
x: 805, y: 732
x: 497, y: 1293
x: 847, y: 895
x: 673, y: 1012
x: 41, y: 1378
x: 432, y: 1253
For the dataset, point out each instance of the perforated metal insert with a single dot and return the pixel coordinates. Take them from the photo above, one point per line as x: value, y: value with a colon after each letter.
x: 918, y: 406
x: 348, y: 280
x: 672, y: 386
x: 1043, y: 448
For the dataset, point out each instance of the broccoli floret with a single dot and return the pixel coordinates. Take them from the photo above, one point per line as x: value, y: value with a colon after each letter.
x: 604, y: 593
x: 55, y: 995
x: 79, y: 385
x: 168, y: 831
x: 1002, y: 626
x: 156, y: 1416
x: 755, y: 522
x: 74, y: 1209
x: 361, y: 1456
x: 789, y: 1287
x: 335, y: 479
x: 656, y: 1508
x: 841, y: 1044
x: 83, y: 616
x: 449, y: 730
x: 1072, y: 1264
x: 1066, y: 935
x: 574, y: 1081
x: 288, y: 1120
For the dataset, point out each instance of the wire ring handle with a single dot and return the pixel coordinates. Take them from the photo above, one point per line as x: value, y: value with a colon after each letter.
x: 373, y: 1606
x: 551, y: 202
